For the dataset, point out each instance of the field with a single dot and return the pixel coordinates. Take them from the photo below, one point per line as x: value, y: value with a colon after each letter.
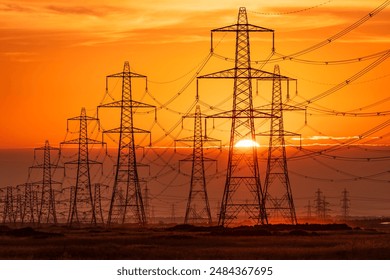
x: 309, y: 242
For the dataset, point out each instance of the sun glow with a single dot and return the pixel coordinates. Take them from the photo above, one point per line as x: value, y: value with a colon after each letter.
x: 246, y: 143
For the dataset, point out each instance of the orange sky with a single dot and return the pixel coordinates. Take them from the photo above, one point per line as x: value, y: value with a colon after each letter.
x: 54, y: 56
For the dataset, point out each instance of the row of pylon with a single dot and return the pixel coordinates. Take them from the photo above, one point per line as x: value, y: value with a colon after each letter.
x: 243, y: 174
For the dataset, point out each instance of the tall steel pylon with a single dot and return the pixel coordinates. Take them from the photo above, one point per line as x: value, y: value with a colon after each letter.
x: 278, y: 198
x: 198, y: 208
x: 82, y: 206
x: 126, y: 202
x: 47, y: 203
x: 243, y: 169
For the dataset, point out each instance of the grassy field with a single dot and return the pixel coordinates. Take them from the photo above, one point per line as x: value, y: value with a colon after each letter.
x: 185, y: 242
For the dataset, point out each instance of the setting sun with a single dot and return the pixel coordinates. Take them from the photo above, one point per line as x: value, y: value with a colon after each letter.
x: 246, y: 143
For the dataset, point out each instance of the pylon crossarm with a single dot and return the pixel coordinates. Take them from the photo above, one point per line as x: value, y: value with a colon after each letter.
x: 239, y: 27
x: 126, y: 75
x: 253, y: 73
x: 282, y: 133
x: 81, y: 118
x: 242, y: 114
x: 126, y: 130
x: 84, y: 141
x: 285, y: 107
x: 89, y: 162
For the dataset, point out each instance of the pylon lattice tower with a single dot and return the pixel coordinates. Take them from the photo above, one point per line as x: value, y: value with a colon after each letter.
x: 198, y: 208
x: 319, y: 204
x: 29, y: 203
x: 126, y: 202
x: 97, y: 202
x: 278, y: 198
x: 46, y: 199
x: 345, y: 205
x: 243, y: 169
x: 9, y: 207
x: 82, y: 207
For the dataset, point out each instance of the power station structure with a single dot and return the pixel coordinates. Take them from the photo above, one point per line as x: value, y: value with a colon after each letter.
x: 46, y: 197
x: 278, y: 198
x: 82, y: 195
x: 198, y: 208
x: 243, y: 164
x: 126, y: 204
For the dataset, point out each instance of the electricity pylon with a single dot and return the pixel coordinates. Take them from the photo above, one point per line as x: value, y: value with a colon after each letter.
x: 9, y: 207
x: 97, y: 202
x: 243, y: 168
x: 82, y: 206
x: 319, y: 205
x: 126, y: 202
x: 198, y: 208
x: 278, y: 198
x: 345, y: 205
x: 29, y: 203
x: 47, y: 204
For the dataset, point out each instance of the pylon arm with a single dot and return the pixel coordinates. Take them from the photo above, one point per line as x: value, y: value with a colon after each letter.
x: 89, y: 162
x: 242, y: 114
x: 131, y: 104
x: 81, y: 118
x: 126, y: 130
x: 239, y: 27
x: 285, y: 107
x: 282, y: 133
x: 126, y: 75
x: 84, y: 141
x: 237, y: 73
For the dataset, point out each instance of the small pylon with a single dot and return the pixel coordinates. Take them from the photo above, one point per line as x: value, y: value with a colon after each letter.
x: 278, y: 198
x: 97, y: 201
x: 9, y: 206
x: 198, y: 191
x: 126, y: 202
x: 243, y: 168
x: 82, y: 207
x: 345, y: 205
x: 47, y: 202
x: 319, y: 205
x: 30, y: 204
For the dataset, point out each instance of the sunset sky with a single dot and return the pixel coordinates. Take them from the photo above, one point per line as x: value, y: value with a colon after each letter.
x: 54, y: 57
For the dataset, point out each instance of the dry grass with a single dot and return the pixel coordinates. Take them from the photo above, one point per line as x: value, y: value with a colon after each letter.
x: 174, y: 244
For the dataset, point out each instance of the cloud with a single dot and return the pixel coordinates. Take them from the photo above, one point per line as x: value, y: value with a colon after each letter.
x: 98, y: 11
x: 14, y: 8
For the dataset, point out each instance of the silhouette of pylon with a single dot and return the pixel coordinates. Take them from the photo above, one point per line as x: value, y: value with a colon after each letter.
x: 28, y: 210
x: 82, y: 207
x: 278, y: 198
x: 97, y: 201
x: 9, y: 207
x: 345, y: 205
x: 47, y: 203
x: 198, y: 208
x: 126, y: 202
x: 243, y: 169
